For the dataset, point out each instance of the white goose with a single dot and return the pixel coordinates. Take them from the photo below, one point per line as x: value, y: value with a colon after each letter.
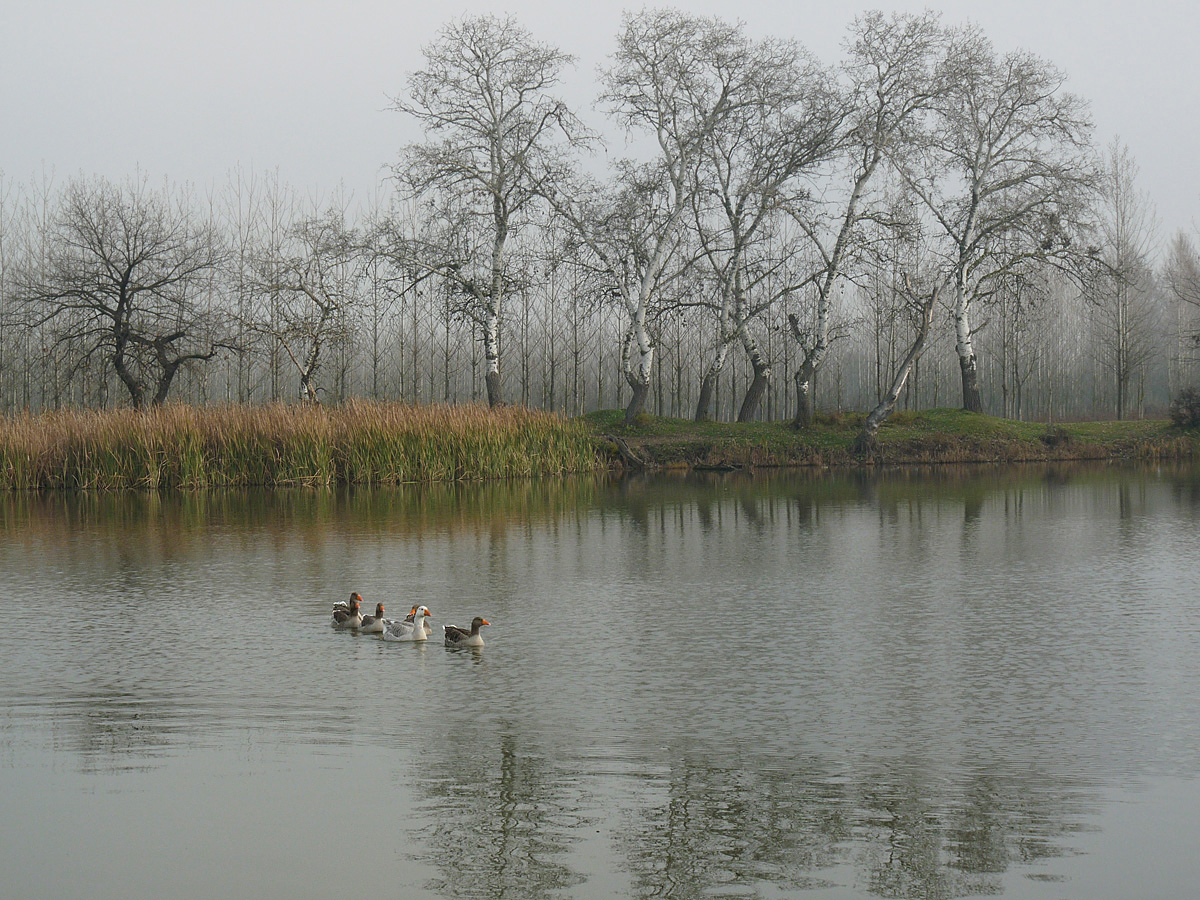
x: 408, y: 631
x: 411, y: 617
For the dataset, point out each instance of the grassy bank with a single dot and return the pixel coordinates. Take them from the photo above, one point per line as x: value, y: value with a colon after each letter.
x: 909, y: 438
x: 366, y: 443
x: 274, y: 446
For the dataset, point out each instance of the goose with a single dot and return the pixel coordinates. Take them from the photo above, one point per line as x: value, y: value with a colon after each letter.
x: 344, y: 605
x: 373, y: 624
x: 412, y: 615
x: 350, y: 617
x: 408, y: 631
x: 461, y: 637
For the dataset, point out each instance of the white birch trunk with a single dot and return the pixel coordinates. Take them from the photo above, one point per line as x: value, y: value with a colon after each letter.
x: 964, y: 346
x: 867, y: 442
x: 762, y: 376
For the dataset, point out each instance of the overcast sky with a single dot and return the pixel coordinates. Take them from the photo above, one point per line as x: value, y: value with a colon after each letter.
x: 190, y: 90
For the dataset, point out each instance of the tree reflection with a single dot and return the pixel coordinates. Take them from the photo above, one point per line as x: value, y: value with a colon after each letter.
x: 925, y: 839
x: 504, y: 818
x: 721, y: 829
x: 906, y: 851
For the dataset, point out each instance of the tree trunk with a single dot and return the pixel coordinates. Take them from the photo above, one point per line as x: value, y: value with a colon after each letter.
x: 708, y: 385
x: 758, y: 387
x: 492, y: 381
x: 814, y: 353
x: 971, y: 398
x: 308, y: 391
x: 491, y: 352
x: 867, y: 442
x: 137, y: 390
x: 493, y: 305
x: 164, y: 383
x: 637, y: 403
x: 639, y: 378
x: 804, y: 402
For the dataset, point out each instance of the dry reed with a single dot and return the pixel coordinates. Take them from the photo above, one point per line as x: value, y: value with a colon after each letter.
x: 360, y: 443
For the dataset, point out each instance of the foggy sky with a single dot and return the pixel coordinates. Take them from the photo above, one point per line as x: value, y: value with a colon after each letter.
x: 190, y: 90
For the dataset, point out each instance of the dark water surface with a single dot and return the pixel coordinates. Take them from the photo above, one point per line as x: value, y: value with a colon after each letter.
x: 964, y: 682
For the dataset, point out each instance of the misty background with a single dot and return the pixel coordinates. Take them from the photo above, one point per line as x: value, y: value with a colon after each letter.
x: 292, y: 105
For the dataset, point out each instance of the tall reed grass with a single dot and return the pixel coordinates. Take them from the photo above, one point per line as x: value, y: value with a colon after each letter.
x: 277, y: 445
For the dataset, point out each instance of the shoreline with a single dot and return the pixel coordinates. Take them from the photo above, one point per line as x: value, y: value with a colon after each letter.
x: 930, y: 437
x: 278, y: 446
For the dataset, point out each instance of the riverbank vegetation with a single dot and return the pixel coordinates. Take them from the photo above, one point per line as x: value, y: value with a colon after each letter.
x: 281, y: 446
x: 934, y: 436
x: 179, y: 447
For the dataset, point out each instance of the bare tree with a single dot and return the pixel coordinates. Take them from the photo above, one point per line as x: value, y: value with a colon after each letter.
x: 634, y: 251
x: 495, y: 144
x: 677, y: 79
x: 1181, y: 277
x: 309, y: 288
x: 1020, y: 300
x: 1123, y: 293
x: 890, y: 75
x: 124, y: 275
x: 7, y: 345
x: 751, y: 169
x: 920, y: 308
x: 1004, y: 169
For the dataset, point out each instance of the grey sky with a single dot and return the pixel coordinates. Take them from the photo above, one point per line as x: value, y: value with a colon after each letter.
x: 189, y: 90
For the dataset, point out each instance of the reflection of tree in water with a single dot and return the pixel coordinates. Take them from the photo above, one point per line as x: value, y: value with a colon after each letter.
x: 724, y: 829
x: 907, y: 855
x: 931, y: 840
x: 720, y: 829
x: 501, y: 821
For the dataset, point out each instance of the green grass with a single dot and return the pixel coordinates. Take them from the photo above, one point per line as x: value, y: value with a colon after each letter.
x: 928, y: 436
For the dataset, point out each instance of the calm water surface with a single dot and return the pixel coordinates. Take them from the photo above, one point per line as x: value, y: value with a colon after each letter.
x: 804, y: 685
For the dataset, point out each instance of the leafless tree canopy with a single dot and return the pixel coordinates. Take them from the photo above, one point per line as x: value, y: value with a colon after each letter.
x: 124, y: 274
x: 917, y: 219
x: 497, y: 137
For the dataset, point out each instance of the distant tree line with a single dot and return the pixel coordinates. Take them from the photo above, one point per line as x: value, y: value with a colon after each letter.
x: 927, y: 222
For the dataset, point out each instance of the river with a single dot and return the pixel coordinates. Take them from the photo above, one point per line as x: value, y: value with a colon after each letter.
x: 931, y: 684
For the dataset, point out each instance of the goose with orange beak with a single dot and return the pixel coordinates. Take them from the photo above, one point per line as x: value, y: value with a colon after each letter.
x: 373, y: 624
x: 347, y: 615
x: 411, y: 617
x: 408, y: 631
x: 461, y: 637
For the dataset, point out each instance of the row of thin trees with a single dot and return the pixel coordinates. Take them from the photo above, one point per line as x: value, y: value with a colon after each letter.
x: 924, y: 223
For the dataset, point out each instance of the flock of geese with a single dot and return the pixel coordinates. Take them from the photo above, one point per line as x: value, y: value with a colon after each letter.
x: 347, y: 614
